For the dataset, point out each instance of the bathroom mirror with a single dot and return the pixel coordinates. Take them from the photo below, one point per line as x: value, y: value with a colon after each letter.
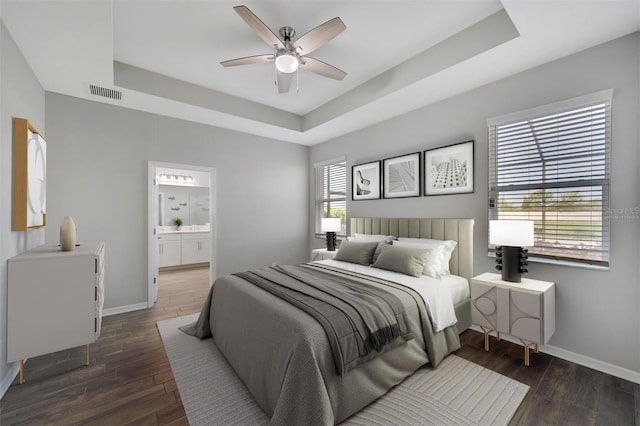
x: 190, y: 203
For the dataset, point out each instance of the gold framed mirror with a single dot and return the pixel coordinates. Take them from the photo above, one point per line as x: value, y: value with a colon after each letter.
x: 29, y: 177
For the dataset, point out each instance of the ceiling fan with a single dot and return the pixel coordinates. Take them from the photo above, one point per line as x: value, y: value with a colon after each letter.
x: 290, y: 55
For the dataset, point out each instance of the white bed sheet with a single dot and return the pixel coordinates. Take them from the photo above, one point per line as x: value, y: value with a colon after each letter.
x: 440, y: 295
x: 457, y: 285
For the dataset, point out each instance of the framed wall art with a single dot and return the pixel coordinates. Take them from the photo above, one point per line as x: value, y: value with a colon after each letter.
x: 449, y: 169
x: 29, y: 177
x: 402, y: 176
x: 365, y: 181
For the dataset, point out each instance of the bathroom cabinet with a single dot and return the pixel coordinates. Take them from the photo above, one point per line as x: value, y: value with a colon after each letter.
x: 183, y: 248
x: 169, y: 250
x: 195, y: 248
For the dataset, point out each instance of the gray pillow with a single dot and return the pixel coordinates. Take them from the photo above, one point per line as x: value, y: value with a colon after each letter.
x: 356, y: 252
x: 378, y: 249
x: 406, y: 260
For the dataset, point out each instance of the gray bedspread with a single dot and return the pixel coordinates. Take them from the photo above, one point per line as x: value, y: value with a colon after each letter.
x: 361, y: 321
x: 283, y: 356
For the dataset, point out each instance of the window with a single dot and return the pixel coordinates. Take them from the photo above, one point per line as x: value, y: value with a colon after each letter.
x: 331, y: 193
x: 551, y: 165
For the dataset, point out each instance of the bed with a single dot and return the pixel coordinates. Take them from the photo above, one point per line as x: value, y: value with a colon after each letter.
x: 460, y: 230
x: 286, y: 358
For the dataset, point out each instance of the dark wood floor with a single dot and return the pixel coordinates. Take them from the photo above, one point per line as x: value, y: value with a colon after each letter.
x: 129, y: 380
x: 561, y: 392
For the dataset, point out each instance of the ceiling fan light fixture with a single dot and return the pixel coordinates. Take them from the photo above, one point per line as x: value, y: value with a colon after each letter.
x: 286, y: 62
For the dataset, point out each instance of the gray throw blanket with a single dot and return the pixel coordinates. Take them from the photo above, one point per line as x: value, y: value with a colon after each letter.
x: 360, y: 321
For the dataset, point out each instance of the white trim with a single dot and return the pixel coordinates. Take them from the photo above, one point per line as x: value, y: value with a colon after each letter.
x: 604, y: 367
x: 601, y: 96
x: 327, y: 162
x: 9, y: 378
x: 122, y: 309
x: 152, y: 238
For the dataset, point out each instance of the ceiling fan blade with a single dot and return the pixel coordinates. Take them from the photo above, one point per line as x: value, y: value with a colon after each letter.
x: 248, y: 60
x: 259, y: 27
x: 322, y: 68
x: 319, y: 36
x: 284, y: 81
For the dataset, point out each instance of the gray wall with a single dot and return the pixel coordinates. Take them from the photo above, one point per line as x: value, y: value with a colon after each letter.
x: 21, y: 95
x: 97, y: 174
x: 597, y: 311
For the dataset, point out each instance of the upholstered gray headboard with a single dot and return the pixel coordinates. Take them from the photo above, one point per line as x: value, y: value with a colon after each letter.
x: 460, y: 230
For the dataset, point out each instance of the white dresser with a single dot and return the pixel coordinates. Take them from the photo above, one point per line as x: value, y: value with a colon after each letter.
x: 55, y: 300
x: 525, y: 310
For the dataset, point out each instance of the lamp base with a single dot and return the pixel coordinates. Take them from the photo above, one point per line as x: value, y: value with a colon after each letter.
x: 511, y: 263
x: 331, y: 241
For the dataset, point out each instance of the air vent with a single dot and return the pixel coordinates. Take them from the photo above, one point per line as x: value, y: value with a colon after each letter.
x: 104, y: 92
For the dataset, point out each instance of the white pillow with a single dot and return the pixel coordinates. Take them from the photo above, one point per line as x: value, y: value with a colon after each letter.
x: 444, y: 249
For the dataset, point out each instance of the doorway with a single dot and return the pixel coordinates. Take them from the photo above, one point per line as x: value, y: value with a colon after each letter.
x: 186, y: 192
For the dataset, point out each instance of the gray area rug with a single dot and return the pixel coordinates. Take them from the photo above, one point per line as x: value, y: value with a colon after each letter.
x: 458, y: 392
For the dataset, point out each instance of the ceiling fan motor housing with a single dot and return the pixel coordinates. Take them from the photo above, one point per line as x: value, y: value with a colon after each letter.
x: 287, y: 59
x: 287, y: 33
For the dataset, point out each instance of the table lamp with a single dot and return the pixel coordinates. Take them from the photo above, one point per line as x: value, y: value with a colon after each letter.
x: 509, y: 237
x: 331, y: 225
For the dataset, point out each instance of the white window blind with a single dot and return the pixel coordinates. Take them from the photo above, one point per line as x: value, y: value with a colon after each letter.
x: 331, y: 193
x: 552, y: 166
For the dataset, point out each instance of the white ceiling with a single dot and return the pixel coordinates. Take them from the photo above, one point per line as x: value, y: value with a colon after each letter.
x: 399, y: 55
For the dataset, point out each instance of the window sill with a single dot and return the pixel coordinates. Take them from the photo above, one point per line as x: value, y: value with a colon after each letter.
x: 533, y: 259
x: 338, y: 236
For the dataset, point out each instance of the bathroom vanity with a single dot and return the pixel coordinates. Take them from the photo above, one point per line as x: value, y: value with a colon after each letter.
x: 185, y: 247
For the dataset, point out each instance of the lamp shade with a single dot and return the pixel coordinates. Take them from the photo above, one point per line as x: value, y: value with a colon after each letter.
x: 286, y: 63
x: 331, y: 224
x: 513, y: 233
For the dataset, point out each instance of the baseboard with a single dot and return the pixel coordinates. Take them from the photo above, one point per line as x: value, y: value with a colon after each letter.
x: 122, y: 309
x: 604, y: 367
x: 8, y: 378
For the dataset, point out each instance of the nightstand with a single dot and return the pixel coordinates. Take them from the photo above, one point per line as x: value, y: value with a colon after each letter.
x: 525, y: 310
x: 322, y: 254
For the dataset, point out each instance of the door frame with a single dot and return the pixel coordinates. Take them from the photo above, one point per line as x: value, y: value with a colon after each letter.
x: 152, y: 209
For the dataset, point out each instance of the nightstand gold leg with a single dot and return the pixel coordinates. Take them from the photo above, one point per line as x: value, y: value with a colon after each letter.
x: 21, y: 371
x: 527, y: 347
x: 486, y: 332
x: 88, y: 361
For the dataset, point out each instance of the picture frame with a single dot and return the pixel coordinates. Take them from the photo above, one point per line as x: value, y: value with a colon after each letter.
x: 449, y: 169
x: 402, y: 176
x: 29, y: 177
x: 365, y: 181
